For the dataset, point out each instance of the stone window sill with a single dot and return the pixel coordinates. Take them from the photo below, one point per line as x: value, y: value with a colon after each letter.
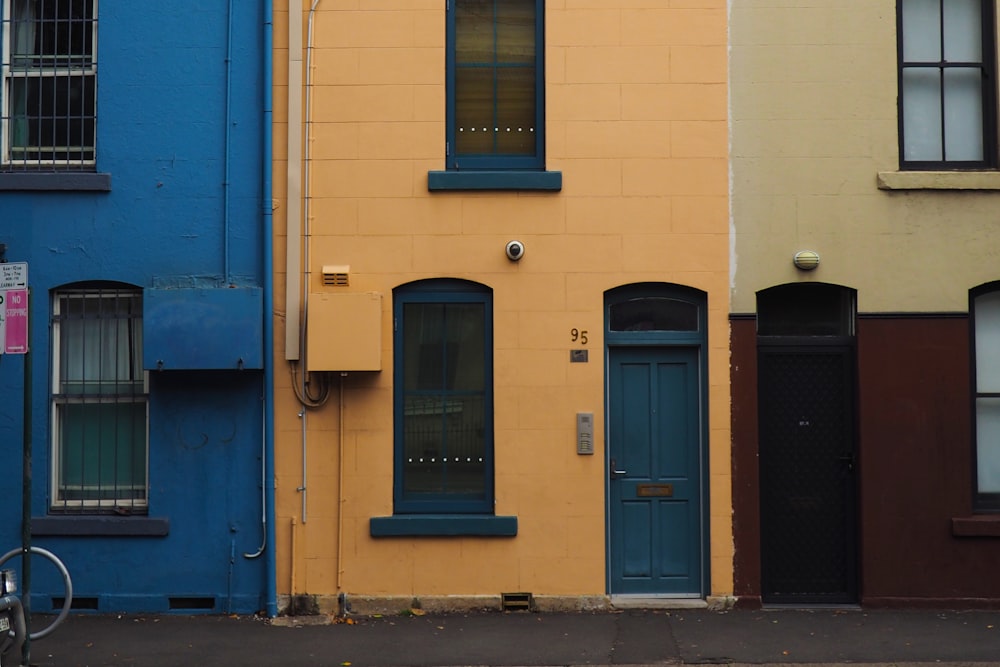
x: 67, y: 181
x: 939, y: 180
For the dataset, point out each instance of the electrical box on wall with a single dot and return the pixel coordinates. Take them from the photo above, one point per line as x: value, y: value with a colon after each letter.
x: 344, y: 332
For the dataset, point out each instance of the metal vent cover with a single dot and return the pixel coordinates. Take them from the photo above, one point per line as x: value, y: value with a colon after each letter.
x: 336, y: 275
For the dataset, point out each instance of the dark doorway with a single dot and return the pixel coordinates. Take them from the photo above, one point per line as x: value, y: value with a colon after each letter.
x: 806, y: 389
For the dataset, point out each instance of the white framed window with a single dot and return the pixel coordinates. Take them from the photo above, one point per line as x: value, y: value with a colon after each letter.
x: 49, y: 76
x: 985, y: 310
x: 99, y: 400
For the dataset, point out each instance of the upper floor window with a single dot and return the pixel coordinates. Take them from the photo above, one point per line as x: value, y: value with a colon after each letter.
x: 443, y: 379
x: 985, y: 308
x: 99, y: 400
x: 495, y: 84
x: 946, y: 58
x: 49, y: 74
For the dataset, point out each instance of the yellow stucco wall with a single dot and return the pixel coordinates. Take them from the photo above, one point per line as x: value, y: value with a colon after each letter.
x: 814, y: 124
x: 637, y: 124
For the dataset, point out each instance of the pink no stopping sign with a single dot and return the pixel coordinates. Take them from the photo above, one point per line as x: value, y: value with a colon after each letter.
x: 15, y: 306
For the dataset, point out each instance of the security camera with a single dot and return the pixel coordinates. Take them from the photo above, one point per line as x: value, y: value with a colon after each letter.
x: 515, y: 250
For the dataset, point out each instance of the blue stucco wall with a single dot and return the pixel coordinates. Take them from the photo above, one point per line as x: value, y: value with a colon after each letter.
x: 168, y: 221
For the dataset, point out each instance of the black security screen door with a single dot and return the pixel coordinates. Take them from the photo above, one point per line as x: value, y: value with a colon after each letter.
x: 807, y: 470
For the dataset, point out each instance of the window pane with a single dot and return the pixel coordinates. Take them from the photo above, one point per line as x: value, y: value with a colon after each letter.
x: 495, y: 78
x: 516, y: 111
x: 988, y: 444
x: 654, y: 314
x: 102, y: 451
x: 465, y: 326
x: 516, y: 31
x: 922, y: 113
x: 100, y: 344
x: 963, y: 36
x: 806, y: 309
x: 987, y: 324
x: 53, y: 32
x: 53, y: 117
x: 474, y: 36
x: 474, y: 109
x: 921, y: 30
x: 444, y: 445
x: 963, y: 114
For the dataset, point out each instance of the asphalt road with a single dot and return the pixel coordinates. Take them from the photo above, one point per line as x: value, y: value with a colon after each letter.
x: 523, y: 639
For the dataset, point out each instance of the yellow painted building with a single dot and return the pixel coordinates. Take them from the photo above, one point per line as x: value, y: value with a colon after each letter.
x: 501, y: 225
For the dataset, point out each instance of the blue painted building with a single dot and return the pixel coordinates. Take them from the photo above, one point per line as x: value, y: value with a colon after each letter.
x: 132, y: 177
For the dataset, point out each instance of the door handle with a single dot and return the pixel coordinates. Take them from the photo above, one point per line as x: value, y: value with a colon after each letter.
x: 848, y: 460
x: 615, y: 473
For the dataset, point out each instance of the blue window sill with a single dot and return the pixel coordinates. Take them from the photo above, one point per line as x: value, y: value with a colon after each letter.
x: 72, y: 181
x: 495, y: 180
x: 100, y: 526
x: 443, y: 525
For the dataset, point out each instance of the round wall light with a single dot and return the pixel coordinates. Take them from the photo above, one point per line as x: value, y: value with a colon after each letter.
x: 807, y: 260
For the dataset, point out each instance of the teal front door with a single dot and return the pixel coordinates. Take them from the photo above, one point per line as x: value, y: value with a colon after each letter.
x: 655, y: 516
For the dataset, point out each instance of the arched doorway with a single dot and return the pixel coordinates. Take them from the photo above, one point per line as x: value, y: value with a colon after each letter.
x: 657, y: 484
x: 806, y: 420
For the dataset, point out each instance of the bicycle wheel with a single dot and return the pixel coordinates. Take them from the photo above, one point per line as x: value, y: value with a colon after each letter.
x: 67, y: 584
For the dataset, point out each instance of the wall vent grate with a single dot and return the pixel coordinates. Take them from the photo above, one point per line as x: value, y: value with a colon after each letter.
x: 517, y: 601
x: 336, y: 276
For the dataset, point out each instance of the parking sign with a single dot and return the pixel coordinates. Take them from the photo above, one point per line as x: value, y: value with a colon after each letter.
x: 14, y: 307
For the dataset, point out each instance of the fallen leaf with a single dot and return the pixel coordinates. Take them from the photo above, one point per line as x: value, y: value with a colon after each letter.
x: 417, y: 612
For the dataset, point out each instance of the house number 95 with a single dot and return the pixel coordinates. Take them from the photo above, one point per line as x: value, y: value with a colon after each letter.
x: 578, y: 336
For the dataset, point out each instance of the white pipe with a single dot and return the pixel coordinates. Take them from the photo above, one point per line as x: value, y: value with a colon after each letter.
x: 293, y: 222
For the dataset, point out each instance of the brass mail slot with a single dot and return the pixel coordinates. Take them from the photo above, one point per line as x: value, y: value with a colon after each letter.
x: 655, y: 490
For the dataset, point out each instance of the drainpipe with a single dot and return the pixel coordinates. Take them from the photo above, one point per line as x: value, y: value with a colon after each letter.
x: 229, y: 123
x: 293, y: 253
x: 270, y: 569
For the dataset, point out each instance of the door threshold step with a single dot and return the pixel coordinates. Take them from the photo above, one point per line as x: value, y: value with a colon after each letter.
x: 656, y: 602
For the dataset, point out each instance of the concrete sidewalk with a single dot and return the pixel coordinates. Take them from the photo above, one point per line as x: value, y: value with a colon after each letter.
x: 632, y: 637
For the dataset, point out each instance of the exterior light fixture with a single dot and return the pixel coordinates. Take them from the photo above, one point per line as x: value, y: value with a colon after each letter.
x: 807, y: 260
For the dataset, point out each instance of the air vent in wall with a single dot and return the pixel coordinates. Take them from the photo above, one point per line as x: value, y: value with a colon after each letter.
x: 336, y: 275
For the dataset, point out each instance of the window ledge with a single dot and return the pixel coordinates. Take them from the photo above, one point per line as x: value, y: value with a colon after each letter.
x: 443, y: 525
x: 939, y: 180
x: 100, y: 526
x: 56, y: 180
x: 494, y: 180
x: 980, y: 525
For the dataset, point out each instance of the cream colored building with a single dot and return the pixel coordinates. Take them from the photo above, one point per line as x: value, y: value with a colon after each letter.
x: 864, y: 432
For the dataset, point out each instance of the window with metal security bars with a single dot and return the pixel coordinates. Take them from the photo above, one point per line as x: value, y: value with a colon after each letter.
x: 99, y: 401
x: 947, y: 92
x: 443, y: 398
x: 49, y: 74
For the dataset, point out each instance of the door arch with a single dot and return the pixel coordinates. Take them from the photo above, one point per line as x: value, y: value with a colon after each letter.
x: 657, y: 485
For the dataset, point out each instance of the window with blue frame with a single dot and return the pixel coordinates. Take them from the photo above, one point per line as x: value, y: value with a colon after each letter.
x: 443, y: 397
x: 496, y: 98
x: 495, y: 86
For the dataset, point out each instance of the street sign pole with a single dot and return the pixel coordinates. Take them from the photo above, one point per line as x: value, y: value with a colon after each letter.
x: 26, y: 492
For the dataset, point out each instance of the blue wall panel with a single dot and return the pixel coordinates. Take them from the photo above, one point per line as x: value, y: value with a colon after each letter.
x: 181, y: 213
